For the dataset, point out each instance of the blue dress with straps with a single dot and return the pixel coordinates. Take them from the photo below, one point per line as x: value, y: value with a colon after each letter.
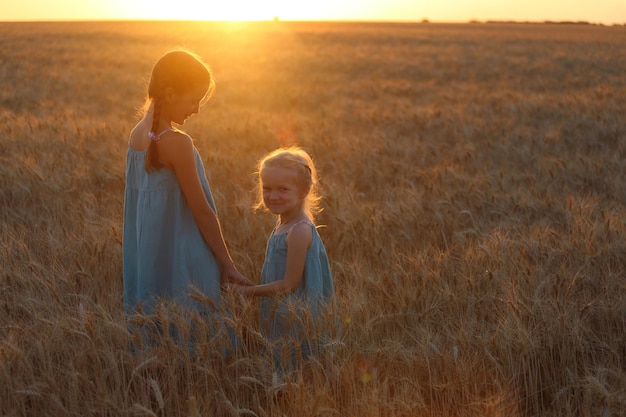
x: 164, y: 253
x: 287, y: 317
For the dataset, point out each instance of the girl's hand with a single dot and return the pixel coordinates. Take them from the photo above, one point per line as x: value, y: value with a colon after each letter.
x: 237, y: 296
x: 231, y: 275
x: 241, y: 280
x: 238, y: 289
x: 231, y: 286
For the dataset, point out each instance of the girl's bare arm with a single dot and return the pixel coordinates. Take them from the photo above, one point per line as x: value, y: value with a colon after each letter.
x: 177, y: 153
x: 298, y: 242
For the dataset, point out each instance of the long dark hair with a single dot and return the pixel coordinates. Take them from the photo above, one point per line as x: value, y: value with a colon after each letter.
x: 182, y: 71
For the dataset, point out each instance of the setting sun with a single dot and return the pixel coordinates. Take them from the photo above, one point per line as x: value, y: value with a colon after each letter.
x: 240, y: 10
x: 194, y: 10
x: 602, y: 11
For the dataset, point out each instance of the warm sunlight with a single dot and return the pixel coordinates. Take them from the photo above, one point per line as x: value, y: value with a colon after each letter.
x: 604, y: 11
x: 195, y: 10
x: 248, y: 9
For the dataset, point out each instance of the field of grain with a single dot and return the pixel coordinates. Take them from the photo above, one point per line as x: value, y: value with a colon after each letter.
x: 474, y: 182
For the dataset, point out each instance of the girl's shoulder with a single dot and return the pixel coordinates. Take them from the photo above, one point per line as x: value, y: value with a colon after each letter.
x: 283, y: 230
x: 301, y: 231
x: 176, y: 149
x: 138, y: 138
x: 304, y: 223
x: 141, y: 136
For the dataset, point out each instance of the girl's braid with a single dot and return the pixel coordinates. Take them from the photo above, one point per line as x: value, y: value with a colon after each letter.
x: 152, y: 155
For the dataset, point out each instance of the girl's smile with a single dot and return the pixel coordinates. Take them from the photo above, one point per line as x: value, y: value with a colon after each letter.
x: 281, y: 195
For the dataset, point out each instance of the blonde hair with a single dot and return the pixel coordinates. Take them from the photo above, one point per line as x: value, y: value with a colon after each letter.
x: 305, y: 174
x: 182, y: 71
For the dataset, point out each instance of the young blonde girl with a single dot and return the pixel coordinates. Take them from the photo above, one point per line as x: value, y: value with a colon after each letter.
x: 172, y: 237
x: 295, y: 279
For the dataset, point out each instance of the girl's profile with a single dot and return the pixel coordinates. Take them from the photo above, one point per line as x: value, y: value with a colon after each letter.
x: 172, y: 237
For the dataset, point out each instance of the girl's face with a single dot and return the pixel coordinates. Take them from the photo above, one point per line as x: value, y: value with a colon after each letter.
x: 281, y: 194
x: 179, y: 106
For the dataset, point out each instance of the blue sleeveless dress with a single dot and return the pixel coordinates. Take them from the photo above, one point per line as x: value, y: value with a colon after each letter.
x: 283, y: 317
x: 164, y: 253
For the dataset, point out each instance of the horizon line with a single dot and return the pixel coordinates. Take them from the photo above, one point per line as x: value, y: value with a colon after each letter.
x: 277, y: 19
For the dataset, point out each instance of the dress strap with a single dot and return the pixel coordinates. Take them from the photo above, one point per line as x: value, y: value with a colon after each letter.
x: 157, y: 136
x: 307, y: 221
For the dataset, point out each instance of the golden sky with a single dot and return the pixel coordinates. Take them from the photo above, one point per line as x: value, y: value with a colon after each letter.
x: 598, y: 11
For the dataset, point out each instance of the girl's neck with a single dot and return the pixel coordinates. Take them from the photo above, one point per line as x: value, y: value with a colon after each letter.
x: 164, y: 123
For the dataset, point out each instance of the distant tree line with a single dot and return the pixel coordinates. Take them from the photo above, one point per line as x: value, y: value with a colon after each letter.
x: 545, y: 22
x: 528, y: 22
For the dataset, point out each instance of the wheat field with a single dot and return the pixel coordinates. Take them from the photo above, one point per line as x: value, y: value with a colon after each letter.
x: 474, y: 183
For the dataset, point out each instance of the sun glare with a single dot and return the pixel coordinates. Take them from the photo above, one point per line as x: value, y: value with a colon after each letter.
x: 235, y: 10
x: 241, y: 10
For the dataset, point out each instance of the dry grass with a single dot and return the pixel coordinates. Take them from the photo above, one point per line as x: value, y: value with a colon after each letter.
x: 474, y: 182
